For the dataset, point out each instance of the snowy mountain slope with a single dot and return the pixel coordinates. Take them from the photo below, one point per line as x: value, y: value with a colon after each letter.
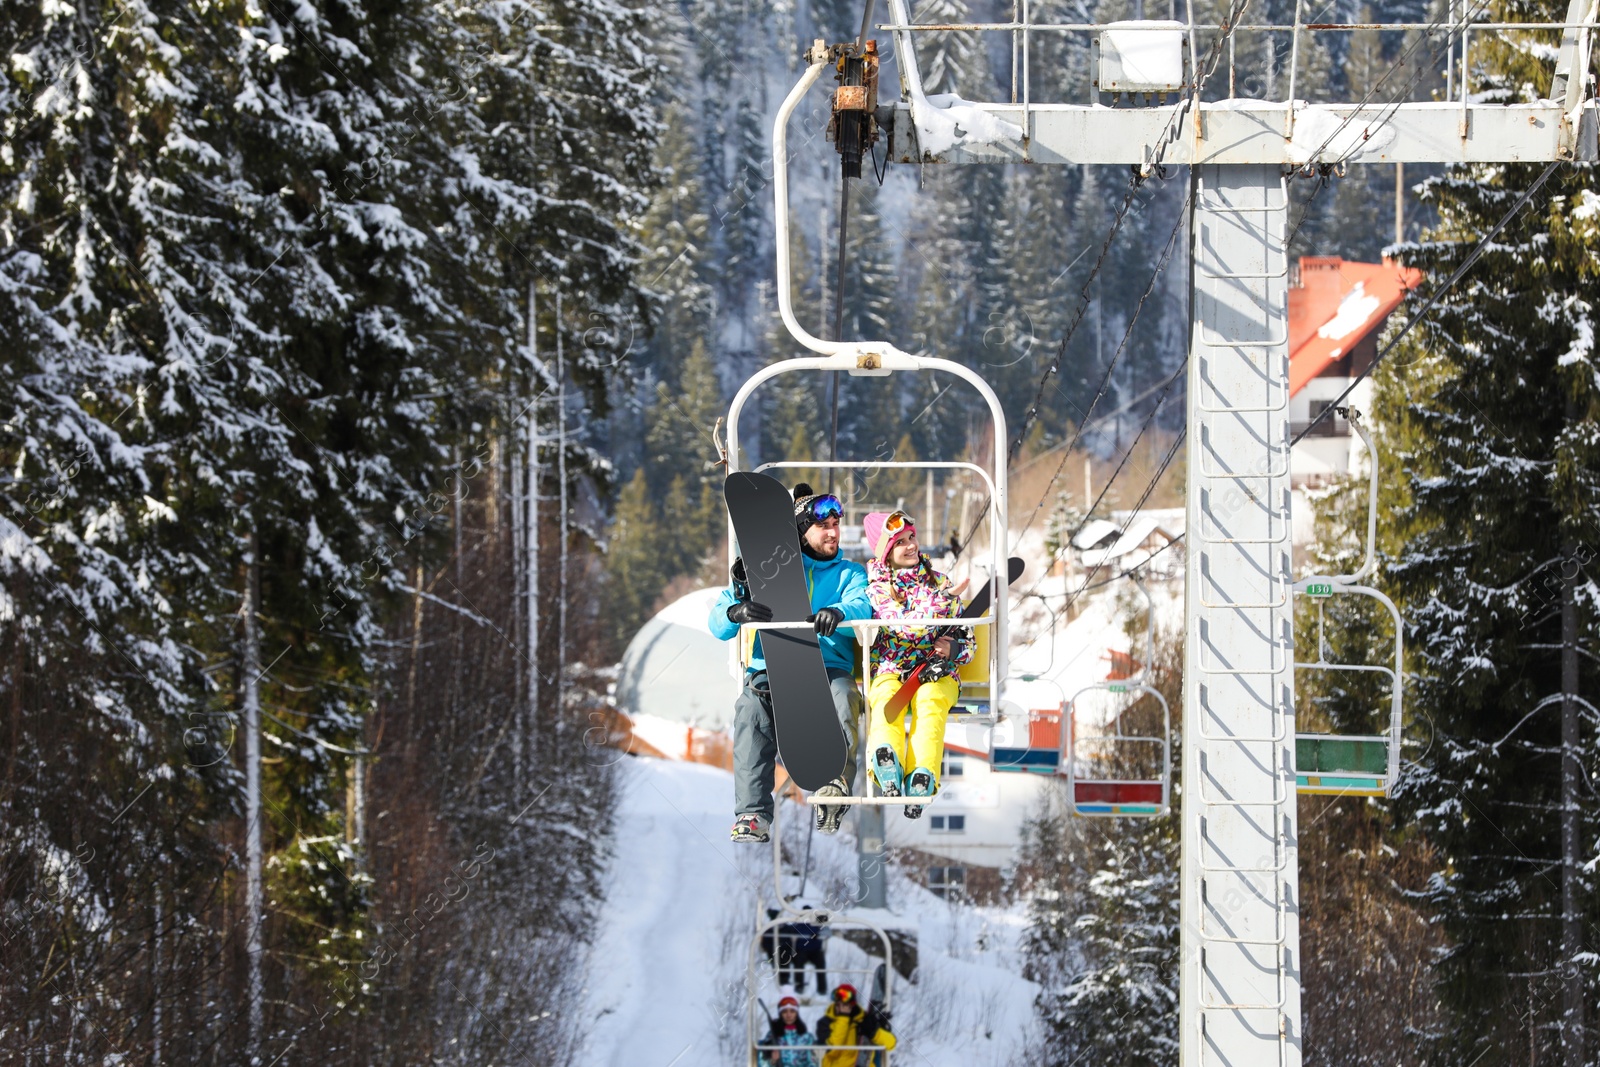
x: 666, y: 978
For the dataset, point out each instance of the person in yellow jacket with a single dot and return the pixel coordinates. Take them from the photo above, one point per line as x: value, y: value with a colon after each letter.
x: 847, y: 1023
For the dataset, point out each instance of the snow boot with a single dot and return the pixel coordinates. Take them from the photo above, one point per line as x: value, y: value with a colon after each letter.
x: 886, y: 769
x: 920, y: 784
x: 829, y: 816
x: 750, y: 828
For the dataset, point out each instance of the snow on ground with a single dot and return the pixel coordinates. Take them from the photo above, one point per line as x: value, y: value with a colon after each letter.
x: 666, y: 981
x: 674, y: 877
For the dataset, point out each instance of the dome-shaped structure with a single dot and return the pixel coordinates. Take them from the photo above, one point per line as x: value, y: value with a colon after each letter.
x: 676, y: 672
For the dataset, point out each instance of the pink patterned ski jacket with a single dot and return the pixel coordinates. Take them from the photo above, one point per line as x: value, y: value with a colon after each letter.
x: 912, y: 593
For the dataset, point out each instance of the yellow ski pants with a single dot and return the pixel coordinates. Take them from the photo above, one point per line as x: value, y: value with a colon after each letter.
x: 922, y: 745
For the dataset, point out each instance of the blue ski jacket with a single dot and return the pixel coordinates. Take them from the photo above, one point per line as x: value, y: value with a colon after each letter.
x: 835, y: 583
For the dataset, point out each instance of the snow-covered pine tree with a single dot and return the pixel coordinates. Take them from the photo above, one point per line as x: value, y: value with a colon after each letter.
x: 1491, y: 411
x: 1122, y: 1008
x: 251, y: 254
x: 743, y: 216
x: 97, y: 670
x: 951, y: 61
x: 1103, y: 928
x: 678, y: 248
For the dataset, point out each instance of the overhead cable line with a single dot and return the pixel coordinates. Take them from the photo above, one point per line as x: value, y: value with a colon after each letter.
x: 1126, y: 455
x: 1168, y: 135
x: 1422, y: 313
x: 1148, y: 489
x: 1189, y: 101
x: 1127, y: 335
x: 1456, y: 29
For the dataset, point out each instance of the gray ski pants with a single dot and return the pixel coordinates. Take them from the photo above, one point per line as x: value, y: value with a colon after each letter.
x: 755, y: 743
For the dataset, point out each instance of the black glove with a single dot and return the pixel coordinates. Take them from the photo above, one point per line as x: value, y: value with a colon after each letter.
x: 956, y: 647
x: 827, y: 620
x: 749, y: 611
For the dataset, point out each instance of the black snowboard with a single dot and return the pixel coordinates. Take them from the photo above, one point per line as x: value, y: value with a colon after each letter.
x: 980, y: 603
x: 810, y: 739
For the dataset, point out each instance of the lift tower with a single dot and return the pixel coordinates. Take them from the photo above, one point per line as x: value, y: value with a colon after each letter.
x: 1241, y: 964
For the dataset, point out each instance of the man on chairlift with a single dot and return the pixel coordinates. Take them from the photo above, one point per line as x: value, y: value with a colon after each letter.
x: 838, y: 593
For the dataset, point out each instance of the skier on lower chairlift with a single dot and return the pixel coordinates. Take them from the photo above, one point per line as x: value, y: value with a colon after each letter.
x: 903, y: 584
x: 847, y: 1023
x: 838, y: 594
x: 789, y: 1029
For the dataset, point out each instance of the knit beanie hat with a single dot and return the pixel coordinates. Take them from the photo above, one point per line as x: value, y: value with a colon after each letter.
x: 877, y: 540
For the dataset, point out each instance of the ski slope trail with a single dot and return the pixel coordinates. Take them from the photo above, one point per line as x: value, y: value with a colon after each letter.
x: 674, y: 884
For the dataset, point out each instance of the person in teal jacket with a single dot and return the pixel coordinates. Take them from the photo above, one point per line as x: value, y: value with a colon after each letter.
x: 838, y: 594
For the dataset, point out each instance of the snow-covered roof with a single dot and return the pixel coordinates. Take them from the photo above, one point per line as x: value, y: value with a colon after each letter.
x: 1337, y: 304
x: 1138, y: 530
x: 1096, y: 533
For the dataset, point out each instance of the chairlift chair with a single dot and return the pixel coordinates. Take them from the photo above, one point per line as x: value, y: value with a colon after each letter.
x: 1091, y: 793
x: 1353, y: 764
x: 877, y: 359
x: 757, y: 972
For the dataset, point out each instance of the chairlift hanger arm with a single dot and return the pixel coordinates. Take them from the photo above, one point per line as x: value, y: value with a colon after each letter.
x: 818, y: 57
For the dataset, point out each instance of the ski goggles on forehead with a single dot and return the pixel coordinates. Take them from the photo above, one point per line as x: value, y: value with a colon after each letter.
x: 827, y: 507
x: 897, y: 521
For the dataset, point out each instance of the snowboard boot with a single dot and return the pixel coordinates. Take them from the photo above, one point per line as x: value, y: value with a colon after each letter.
x: 750, y: 828
x: 829, y: 816
x: 920, y: 784
x: 886, y: 769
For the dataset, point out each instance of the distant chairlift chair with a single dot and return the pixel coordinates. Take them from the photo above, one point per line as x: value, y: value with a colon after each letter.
x: 1089, y: 793
x: 1028, y: 739
x: 1352, y: 764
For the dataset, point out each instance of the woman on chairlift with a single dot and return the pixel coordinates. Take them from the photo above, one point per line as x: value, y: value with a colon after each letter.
x: 902, y: 584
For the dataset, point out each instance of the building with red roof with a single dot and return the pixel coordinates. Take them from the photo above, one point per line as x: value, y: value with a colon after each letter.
x: 1337, y: 309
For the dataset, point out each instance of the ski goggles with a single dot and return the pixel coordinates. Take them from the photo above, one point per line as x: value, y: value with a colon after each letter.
x: 826, y: 507
x: 897, y: 521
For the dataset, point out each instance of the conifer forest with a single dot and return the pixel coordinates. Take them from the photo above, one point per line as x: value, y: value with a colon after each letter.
x: 364, y: 370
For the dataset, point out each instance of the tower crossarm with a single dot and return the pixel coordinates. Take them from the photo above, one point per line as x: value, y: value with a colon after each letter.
x: 1253, y: 132
x: 1432, y: 112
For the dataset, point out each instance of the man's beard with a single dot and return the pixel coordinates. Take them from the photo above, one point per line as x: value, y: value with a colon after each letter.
x: 805, y: 546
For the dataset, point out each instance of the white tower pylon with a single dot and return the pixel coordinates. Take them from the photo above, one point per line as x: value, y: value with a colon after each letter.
x: 1240, y: 965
